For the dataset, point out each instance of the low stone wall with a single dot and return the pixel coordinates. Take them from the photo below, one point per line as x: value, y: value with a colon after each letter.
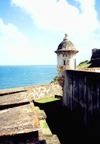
x: 36, y: 92
x: 44, y: 91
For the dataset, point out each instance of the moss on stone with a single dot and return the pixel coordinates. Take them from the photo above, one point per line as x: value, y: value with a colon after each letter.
x: 48, y: 100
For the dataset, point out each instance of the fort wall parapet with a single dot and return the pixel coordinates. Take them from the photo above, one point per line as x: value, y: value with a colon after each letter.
x: 36, y: 92
x: 89, y: 69
x: 82, y: 96
x: 44, y: 91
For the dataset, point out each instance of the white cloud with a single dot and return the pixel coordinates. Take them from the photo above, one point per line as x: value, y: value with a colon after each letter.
x: 11, y: 32
x: 15, y: 48
x: 86, y: 6
x: 81, y: 26
x: 61, y: 15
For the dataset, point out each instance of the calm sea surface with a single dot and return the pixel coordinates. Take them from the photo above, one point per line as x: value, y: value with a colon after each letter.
x: 21, y: 76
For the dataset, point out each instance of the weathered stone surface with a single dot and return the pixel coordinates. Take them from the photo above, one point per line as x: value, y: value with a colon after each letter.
x: 66, y: 44
x: 12, y: 91
x: 21, y: 119
x: 19, y: 95
x: 41, y: 114
x: 18, y: 116
x: 66, y: 58
x: 82, y: 96
x: 52, y: 139
x: 14, y: 98
x: 44, y: 91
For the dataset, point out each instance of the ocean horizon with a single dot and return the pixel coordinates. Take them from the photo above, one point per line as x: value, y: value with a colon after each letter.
x: 13, y: 76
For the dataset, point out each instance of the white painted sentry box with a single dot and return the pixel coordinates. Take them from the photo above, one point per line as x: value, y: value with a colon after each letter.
x: 66, y: 58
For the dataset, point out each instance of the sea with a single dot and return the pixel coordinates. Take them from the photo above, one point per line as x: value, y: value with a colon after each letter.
x: 26, y: 75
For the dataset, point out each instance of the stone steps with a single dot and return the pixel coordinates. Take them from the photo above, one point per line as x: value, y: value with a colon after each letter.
x: 46, y: 132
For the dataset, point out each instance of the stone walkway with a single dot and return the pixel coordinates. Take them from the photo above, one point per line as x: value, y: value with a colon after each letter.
x: 20, y: 122
x: 21, y: 119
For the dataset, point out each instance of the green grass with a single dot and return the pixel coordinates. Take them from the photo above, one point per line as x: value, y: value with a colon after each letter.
x: 56, y: 81
x: 48, y: 100
x: 84, y: 64
x: 45, y: 128
x: 43, y: 124
x: 37, y: 108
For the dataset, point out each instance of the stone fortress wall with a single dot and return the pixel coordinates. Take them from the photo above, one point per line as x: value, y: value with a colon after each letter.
x: 81, y: 87
x: 95, y: 53
x: 82, y: 96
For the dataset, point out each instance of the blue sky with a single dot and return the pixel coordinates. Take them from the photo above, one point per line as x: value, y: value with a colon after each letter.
x: 31, y: 30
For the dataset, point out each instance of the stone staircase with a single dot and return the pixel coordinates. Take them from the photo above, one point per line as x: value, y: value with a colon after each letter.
x: 46, y: 132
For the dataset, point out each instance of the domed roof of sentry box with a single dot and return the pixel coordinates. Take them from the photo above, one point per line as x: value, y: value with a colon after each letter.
x: 66, y: 45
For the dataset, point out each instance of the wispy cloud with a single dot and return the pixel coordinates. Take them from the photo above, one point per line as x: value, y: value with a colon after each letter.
x: 15, y: 47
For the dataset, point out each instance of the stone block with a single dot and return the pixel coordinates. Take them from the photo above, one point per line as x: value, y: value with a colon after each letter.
x: 41, y: 114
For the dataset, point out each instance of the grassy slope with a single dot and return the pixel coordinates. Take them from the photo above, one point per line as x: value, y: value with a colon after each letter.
x: 89, y: 64
x: 84, y: 64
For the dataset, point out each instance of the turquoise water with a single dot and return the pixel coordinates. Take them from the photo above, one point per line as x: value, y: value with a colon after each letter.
x: 21, y: 76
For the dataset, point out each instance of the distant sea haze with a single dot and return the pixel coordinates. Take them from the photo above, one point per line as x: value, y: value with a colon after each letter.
x: 22, y: 76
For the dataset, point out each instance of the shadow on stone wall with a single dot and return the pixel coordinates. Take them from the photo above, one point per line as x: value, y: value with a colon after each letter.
x: 65, y: 125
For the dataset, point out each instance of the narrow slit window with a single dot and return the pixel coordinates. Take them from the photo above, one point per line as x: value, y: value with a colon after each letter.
x: 64, y: 62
